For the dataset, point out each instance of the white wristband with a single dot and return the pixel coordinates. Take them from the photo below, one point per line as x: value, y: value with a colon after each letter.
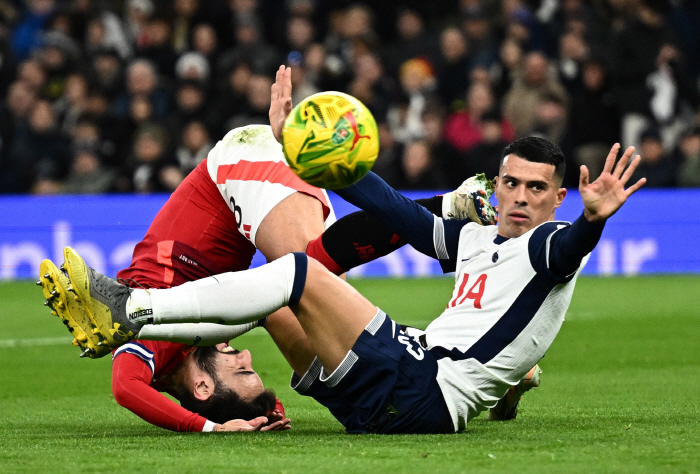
x: 208, y: 426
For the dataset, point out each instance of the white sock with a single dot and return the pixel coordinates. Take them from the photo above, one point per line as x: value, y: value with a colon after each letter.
x: 229, y: 298
x: 194, y: 334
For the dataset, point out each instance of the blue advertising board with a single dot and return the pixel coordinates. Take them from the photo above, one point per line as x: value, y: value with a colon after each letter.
x: 657, y: 231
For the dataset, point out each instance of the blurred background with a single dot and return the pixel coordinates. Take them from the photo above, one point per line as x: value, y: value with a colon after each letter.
x: 122, y: 99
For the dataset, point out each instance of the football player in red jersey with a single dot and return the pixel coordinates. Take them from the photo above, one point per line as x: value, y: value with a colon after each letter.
x: 241, y: 198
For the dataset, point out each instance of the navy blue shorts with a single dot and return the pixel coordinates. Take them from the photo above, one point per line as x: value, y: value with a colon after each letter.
x: 386, y: 384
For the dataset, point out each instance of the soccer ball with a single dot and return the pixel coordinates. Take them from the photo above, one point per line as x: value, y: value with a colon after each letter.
x: 330, y: 140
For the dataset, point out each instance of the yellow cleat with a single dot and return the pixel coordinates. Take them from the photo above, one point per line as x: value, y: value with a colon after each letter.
x: 103, y: 300
x: 56, y: 288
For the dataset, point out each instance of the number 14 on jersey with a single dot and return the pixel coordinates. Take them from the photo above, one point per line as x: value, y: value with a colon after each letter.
x: 475, y: 292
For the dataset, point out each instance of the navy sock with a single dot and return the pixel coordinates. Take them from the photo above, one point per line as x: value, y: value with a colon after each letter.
x: 301, y: 263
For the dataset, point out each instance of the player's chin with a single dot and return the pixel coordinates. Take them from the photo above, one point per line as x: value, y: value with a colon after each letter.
x: 517, y: 226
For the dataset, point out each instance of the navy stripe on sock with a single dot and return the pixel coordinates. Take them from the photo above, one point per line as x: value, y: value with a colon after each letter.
x: 301, y: 262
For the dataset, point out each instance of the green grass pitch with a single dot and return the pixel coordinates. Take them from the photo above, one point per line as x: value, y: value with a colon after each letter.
x: 619, y: 393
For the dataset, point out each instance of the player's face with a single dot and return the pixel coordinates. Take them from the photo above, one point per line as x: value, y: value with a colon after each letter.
x: 527, y: 193
x: 235, y: 369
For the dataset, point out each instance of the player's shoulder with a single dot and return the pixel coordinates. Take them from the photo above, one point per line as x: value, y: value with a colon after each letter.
x: 151, y: 352
x: 473, y: 229
x: 541, y: 233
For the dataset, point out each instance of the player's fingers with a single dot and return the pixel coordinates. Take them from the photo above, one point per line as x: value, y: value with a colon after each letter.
x: 630, y: 170
x: 257, y: 423
x: 583, y: 179
x: 276, y: 426
x: 275, y: 90
x: 635, y: 187
x: 610, y: 160
x: 287, y: 83
x: 620, y: 167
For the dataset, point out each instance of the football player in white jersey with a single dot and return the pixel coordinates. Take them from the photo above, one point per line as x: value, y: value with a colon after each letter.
x: 513, y: 285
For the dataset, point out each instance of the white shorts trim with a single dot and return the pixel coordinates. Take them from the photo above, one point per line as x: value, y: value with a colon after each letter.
x: 309, y: 377
x: 341, y: 371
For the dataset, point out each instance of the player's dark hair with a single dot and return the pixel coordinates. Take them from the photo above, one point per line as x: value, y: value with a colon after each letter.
x: 538, y: 150
x: 224, y: 404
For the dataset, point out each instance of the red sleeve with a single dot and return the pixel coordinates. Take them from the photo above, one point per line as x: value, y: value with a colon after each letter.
x: 131, y: 378
x: 280, y: 407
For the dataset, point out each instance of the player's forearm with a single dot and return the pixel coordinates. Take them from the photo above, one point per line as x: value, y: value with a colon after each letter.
x: 401, y: 215
x: 359, y: 238
x: 570, y: 245
x: 131, y: 391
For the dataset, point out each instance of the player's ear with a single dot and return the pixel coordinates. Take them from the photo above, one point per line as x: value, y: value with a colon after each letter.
x: 561, y: 194
x: 203, y: 387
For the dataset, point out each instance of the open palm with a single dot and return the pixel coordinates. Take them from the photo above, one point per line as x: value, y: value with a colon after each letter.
x: 281, y: 100
x: 604, y: 196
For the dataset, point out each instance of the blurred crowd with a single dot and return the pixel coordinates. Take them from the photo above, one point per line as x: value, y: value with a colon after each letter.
x: 130, y: 95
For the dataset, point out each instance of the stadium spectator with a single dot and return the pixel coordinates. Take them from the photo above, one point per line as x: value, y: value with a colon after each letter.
x: 535, y: 79
x: 417, y: 80
x: 152, y: 169
x: 454, y: 66
x: 156, y: 46
x: 649, y: 75
x: 142, y: 80
x: 413, y: 41
x: 14, y: 129
x: 87, y: 175
x: 186, y: 12
x: 107, y: 72
x: 194, y: 146
x: 418, y: 170
x: 484, y: 157
x: 463, y: 129
x: 205, y: 42
x: 594, y: 119
x: 477, y: 29
x: 371, y: 84
x: 26, y: 36
x: 656, y: 164
x: 447, y: 158
x: 388, y: 163
x: 302, y: 87
x: 43, y: 151
x: 634, y: 62
x: 71, y: 105
x: 689, y: 148
x: 190, y: 104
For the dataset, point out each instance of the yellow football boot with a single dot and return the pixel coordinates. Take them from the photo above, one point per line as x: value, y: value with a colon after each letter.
x: 103, y: 299
x: 61, y: 299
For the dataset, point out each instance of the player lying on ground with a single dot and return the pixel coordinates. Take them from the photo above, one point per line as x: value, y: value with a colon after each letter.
x: 241, y: 198
x: 514, y: 283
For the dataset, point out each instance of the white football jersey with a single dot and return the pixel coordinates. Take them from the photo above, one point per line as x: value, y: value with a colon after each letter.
x: 249, y: 169
x: 505, y: 310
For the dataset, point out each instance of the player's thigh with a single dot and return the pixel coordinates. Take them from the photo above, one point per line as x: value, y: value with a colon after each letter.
x: 290, y: 226
x: 332, y: 313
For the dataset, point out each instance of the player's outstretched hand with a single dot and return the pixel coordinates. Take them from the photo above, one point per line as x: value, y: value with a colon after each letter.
x: 280, y: 425
x: 280, y: 100
x: 604, y: 196
x: 256, y: 424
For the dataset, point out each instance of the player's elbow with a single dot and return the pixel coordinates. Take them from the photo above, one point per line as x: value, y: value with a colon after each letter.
x: 121, y: 393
